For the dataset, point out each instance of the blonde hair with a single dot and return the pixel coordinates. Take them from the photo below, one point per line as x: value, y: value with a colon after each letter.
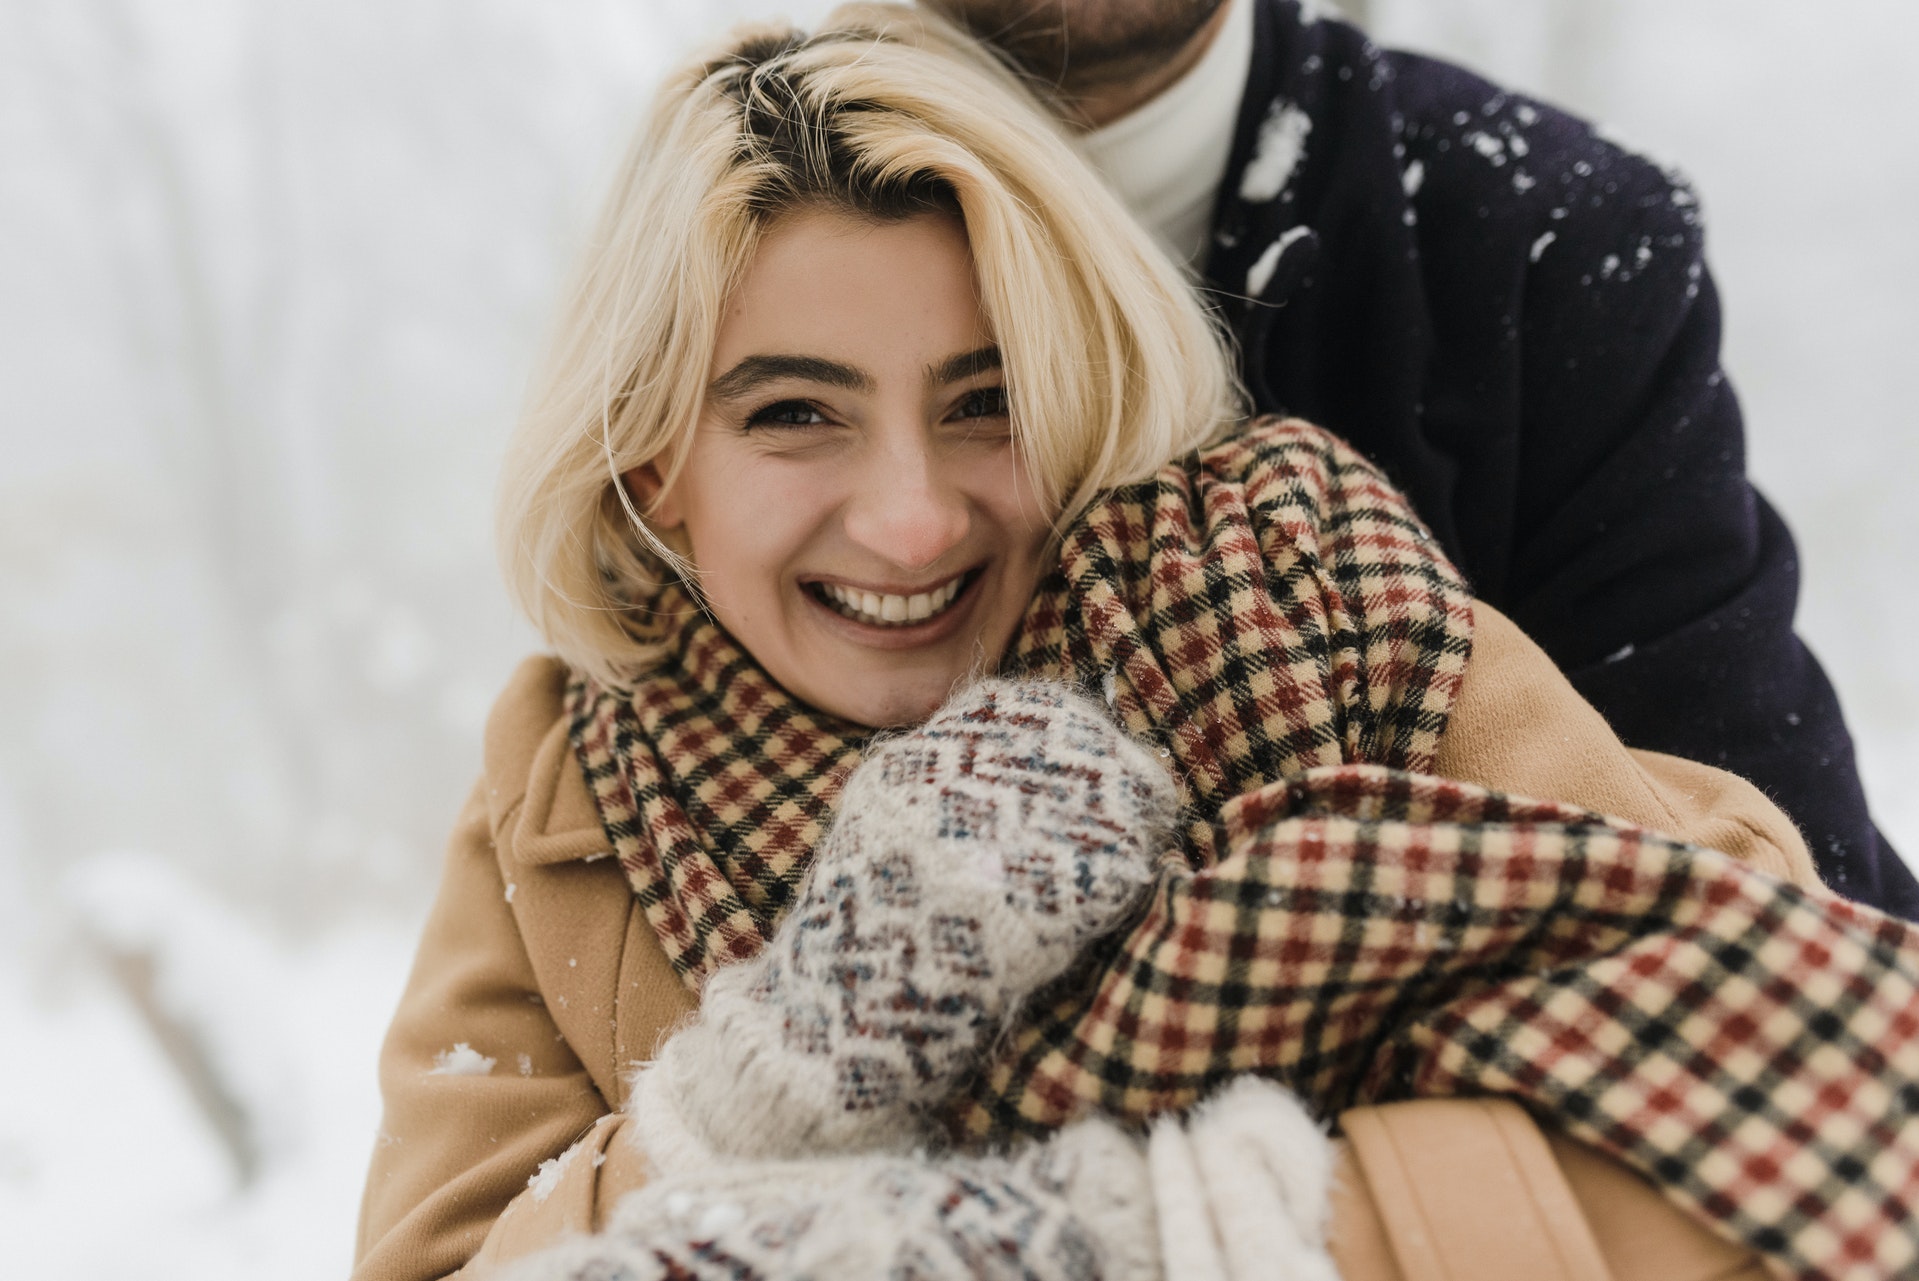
x: 1112, y: 367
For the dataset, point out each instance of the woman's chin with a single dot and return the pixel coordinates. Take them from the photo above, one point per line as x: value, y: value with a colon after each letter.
x: 901, y: 714
x: 883, y: 703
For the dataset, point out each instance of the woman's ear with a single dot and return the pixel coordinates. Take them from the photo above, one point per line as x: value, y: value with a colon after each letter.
x: 644, y: 486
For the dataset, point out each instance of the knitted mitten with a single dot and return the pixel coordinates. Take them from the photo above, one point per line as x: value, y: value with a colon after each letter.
x: 1076, y: 1208
x: 1243, y: 1188
x: 1236, y: 1192
x: 972, y: 861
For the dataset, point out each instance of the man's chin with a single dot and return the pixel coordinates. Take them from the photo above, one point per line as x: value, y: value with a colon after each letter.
x: 1077, y: 45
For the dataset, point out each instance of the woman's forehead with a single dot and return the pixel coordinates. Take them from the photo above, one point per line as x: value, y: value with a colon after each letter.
x: 873, y: 295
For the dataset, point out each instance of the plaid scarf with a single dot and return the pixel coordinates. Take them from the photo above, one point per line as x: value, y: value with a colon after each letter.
x: 1271, y: 616
x: 1373, y: 935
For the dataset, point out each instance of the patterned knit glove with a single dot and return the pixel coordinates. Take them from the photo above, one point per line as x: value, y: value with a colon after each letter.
x: 973, y: 860
x: 1237, y: 1192
x: 1078, y: 1207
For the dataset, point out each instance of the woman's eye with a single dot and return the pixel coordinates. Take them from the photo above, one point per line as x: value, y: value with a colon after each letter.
x: 786, y: 413
x: 985, y: 402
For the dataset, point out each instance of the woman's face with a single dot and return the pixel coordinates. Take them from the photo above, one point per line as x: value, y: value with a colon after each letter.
x: 852, y: 500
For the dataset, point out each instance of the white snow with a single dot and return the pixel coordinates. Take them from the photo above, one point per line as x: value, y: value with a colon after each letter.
x: 1540, y: 245
x: 545, y: 1179
x: 1280, y: 147
x: 1414, y: 177
x: 461, y: 1060
x: 1260, y: 274
x: 292, y: 1027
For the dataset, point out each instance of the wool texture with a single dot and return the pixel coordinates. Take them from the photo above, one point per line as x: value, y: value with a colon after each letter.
x: 1243, y: 1188
x: 1189, y: 1241
x: 1267, y: 1171
x: 1076, y: 1207
x: 974, y: 859
x: 1086, y: 1204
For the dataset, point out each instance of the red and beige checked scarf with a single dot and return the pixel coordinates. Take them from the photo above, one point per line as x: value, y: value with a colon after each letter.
x: 1373, y: 935
x: 1274, y: 618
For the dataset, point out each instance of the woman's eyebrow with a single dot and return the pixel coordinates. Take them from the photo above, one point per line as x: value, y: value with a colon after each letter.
x: 756, y: 371
x: 965, y: 365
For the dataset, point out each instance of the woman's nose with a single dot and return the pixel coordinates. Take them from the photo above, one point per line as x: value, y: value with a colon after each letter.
x: 907, y: 511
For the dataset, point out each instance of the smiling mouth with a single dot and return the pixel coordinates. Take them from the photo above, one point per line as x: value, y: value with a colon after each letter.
x: 880, y: 609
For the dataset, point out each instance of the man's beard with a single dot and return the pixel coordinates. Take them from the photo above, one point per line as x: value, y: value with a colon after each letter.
x: 1074, y: 45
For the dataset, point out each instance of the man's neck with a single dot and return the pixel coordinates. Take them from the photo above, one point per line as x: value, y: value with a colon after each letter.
x: 1167, y: 157
x: 1091, y: 106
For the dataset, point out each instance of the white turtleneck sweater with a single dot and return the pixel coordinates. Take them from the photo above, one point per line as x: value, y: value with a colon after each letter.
x: 1167, y: 157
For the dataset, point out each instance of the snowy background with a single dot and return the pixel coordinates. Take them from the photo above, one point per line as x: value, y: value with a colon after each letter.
x: 271, y: 277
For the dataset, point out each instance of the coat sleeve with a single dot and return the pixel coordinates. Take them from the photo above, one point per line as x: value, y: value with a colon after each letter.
x: 485, y: 1102
x: 1519, y: 726
x: 1644, y: 561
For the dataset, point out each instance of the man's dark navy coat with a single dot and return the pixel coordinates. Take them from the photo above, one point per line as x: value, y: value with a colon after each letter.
x: 1512, y: 316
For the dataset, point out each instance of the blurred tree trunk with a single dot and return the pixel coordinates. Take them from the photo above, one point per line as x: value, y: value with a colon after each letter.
x: 192, y: 1059
x: 219, y: 351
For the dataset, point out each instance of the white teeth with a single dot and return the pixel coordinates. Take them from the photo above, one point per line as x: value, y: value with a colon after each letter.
x: 881, y: 610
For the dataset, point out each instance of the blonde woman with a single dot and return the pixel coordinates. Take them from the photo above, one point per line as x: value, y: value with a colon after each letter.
x: 868, y: 390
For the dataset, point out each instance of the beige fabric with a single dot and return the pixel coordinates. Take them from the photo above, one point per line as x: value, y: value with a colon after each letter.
x: 568, y: 974
x: 1639, y: 1234
x: 1470, y: 1179
x: 1519, y: 726
x: 1448, y: 1189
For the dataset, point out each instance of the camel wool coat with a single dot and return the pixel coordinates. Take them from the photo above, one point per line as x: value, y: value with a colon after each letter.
x: 539, y: 985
